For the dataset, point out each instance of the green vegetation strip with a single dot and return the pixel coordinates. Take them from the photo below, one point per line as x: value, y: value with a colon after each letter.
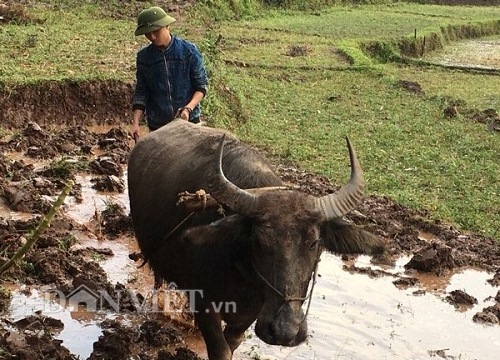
x: 67, y: 44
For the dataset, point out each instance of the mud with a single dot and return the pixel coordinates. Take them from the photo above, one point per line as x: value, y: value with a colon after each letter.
x: 475, y: 53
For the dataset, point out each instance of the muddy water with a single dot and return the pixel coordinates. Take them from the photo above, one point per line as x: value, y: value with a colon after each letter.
x: 352, y: 316
x: 79, y: 332
x: 482, y: 53
x: 355, y: 317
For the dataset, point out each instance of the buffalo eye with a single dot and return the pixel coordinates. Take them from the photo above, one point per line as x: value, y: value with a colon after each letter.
x: 313, y: 244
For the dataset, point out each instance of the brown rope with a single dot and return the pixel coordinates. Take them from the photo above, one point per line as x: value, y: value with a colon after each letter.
x: 286, y: 298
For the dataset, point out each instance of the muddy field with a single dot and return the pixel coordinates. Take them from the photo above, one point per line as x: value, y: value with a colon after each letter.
x: 37, y: 161
x: 477, y: 53
x: 84, y: 138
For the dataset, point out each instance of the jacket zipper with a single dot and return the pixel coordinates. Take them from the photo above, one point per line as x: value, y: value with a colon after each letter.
x: 169, y: 87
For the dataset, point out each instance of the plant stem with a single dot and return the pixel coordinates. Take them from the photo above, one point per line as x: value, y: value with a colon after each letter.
x: 40, y: 228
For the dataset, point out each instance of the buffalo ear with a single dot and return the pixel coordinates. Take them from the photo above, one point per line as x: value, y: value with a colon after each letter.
x: 200, y: 236
x: 343, y: 238
x: 226, y: 232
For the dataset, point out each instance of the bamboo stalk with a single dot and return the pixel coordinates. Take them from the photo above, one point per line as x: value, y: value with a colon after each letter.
x: 45, y: 223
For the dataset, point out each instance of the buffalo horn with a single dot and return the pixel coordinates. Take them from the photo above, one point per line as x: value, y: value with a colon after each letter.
x: 347, y: 198
x: 225, y: 191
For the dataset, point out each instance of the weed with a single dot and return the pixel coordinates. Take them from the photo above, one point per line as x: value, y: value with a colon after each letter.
x: 4, y: 294
x: 132, y: 278
x: 253, y: 354
x: 65, y: 168
x: 27, y: 267
x: 97, y: 257
x: 67, y: 242
x: 112, y: 208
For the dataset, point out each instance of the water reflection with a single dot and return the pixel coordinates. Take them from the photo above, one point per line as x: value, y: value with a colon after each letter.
x: 79, y: 332
x: 352, y: 316
x: 92, y: 201
x: 355, y: 317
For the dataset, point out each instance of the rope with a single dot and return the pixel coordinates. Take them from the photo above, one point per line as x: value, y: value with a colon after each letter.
x: 204, y: 198
x: 176, y: 227
x: 286, y: 298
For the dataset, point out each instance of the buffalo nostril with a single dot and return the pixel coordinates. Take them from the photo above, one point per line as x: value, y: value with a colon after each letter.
x: 272, y: 332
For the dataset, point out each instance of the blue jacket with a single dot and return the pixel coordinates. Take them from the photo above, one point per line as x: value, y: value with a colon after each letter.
x: 167, y: 80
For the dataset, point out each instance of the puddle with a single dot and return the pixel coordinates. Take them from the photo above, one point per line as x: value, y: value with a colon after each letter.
x: 81, y: 323
x: 471, y: 53
x: 92, y: 201
x: 352, y: 316
x: 79, y: 333
x: 355, y: 317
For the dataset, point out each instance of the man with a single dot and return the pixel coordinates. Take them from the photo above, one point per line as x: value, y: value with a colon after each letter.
x: 171, y: 76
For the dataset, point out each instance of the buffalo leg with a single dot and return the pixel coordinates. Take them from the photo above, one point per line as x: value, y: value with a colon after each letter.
x: 209, y: 323
x: 235, y: 334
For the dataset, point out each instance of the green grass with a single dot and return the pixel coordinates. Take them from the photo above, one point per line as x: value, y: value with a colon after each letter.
x: 480, y: 91
x: 77, y: 47
x: 408, y: 149
x: 300, y: 108
x: 370, y: 21
x: 267, y: 41
x: 275, y: 48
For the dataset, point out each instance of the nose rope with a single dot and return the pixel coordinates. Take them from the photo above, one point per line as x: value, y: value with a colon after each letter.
x: 313, y: 276
x: 286, y: 298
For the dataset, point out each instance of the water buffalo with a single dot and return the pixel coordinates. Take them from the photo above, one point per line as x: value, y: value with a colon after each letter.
x: 259, y: 256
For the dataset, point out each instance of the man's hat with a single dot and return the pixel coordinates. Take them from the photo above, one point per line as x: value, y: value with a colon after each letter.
x: 152, y: 19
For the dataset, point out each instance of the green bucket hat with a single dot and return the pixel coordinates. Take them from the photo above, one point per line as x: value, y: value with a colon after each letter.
x: 152, y: 19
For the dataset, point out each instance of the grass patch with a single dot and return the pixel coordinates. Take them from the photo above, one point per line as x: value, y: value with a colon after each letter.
x: 409, y: 150
x: 67, y: 43
x: 476, y: 90
x: 268, y: 48
x: 370, y: 21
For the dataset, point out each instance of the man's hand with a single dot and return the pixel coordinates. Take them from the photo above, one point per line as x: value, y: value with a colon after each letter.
x: 134, y: 132
x: 134, y: 127
x: 184, y: 112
